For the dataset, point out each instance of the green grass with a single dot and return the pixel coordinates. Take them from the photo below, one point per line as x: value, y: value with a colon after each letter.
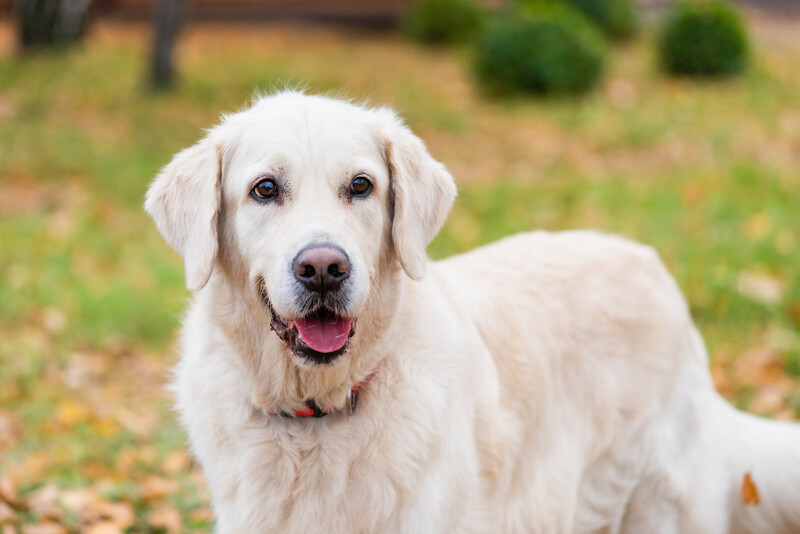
x: 90, y: 296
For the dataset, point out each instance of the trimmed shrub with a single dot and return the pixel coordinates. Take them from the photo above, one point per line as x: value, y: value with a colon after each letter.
x: 616, y: 18
x: 704, y: 39
x: 551, y: 49
x: 442, y: 21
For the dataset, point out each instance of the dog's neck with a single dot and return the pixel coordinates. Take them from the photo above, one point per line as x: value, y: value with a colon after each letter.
x: 274, y: 381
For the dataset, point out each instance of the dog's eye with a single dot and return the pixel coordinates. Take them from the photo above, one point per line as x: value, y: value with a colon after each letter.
x: 265, y: 190
x: 360, y: 186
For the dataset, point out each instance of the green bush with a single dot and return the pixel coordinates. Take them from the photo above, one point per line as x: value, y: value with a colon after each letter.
x: 704, y: 39
x: 550, y: 49
x: 442, y: 21
x: 617, y: 18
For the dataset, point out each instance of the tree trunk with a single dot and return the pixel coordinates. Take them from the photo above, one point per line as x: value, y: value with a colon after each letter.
x: 51, y: 22
x: 168, y: 14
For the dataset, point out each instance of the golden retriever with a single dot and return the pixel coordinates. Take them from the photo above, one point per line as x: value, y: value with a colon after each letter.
x: 334, y: 380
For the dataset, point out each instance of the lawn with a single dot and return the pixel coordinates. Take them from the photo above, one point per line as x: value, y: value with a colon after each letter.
x: 91, y: 297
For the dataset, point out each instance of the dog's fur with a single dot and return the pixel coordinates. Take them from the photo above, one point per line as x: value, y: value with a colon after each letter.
x: 547, y: 383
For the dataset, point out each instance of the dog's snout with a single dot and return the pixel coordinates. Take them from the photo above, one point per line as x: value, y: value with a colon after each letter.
x: 321, y: 268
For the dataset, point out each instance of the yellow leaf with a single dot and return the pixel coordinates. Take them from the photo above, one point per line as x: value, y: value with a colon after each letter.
x: 757, y: 226
x: 70, y: 413
x: 750, y: 491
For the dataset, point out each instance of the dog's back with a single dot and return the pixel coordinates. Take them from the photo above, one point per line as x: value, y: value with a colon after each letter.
x: 601, y: 366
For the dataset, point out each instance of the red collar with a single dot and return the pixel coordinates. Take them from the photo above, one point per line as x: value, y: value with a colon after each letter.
x: 312, y: 409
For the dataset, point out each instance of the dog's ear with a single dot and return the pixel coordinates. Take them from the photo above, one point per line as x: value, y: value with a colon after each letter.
x: 184, y: 201
x: 422, y: 189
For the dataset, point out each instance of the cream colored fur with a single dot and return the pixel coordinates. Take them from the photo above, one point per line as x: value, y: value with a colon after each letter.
x: 547, y: 383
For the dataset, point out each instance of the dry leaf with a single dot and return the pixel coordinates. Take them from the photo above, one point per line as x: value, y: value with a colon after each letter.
x: 166, y: 518
x: 767, y: 400
x: 757, y: 226
x: 6, y: 513
x: 103, y: 527
x: 155, y: 488
x: 10, y: 431
x: 53, y: 320
x: 758, y: 367
x: 69, y: 413
x: 8, y: 493
x: 118, y: 513
x: 77, y: 500
x: 44, y: 528
x: 760, y: 287
x: 175, y: 462
x: 202, y: 514
x: 43, y: 502
x: 139, y: 424
x: 750, y: 491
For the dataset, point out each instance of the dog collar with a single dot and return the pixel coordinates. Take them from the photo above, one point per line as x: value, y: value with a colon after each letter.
x: 313, y: 410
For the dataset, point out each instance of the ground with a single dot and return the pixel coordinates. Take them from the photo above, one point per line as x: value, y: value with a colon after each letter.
x: 91, y: 297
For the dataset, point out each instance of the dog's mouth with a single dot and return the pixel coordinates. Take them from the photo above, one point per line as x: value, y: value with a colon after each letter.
x: 319, y: 337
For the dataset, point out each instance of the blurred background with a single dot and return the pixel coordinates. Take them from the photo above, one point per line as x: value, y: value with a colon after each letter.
x: 677, y: 125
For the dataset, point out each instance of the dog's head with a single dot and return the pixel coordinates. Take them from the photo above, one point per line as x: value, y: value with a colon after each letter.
x: 313, y: 201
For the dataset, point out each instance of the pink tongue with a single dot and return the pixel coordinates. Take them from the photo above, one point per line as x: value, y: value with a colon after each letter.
x: 324, y: 334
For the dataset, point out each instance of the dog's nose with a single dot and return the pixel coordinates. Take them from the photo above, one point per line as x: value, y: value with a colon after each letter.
x: 321, y: 268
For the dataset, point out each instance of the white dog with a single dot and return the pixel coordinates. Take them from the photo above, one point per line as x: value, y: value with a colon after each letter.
x: 334, y: 380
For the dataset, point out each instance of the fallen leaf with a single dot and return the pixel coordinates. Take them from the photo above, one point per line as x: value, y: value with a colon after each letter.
x: 78, y: 499
x: 103, y: 527
x: 760, y: 287
x: 168, y: 519
x: 202, y: 514
x: 757, y: 226
x: 139, y: 424
x: 794, y: 311
x: 8, y: 493
x: 10, y: 431
x: 53, y: 320
x: 175, y: 462
x: 750, y: 491
x: 44, y: 528
x: 6, y: 513
x: 758, y: 367
x: 84, y: 368
x: 43, y: 503
x: 155, y: 488
x: 118, y: 513
x: 70, y: 413
x: 767, y: 400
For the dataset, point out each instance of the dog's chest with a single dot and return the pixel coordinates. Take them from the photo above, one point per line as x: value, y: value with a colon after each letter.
x: 314, y: 476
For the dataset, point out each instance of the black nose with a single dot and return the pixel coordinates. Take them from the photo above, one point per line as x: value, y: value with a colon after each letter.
x: 321, y: 268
